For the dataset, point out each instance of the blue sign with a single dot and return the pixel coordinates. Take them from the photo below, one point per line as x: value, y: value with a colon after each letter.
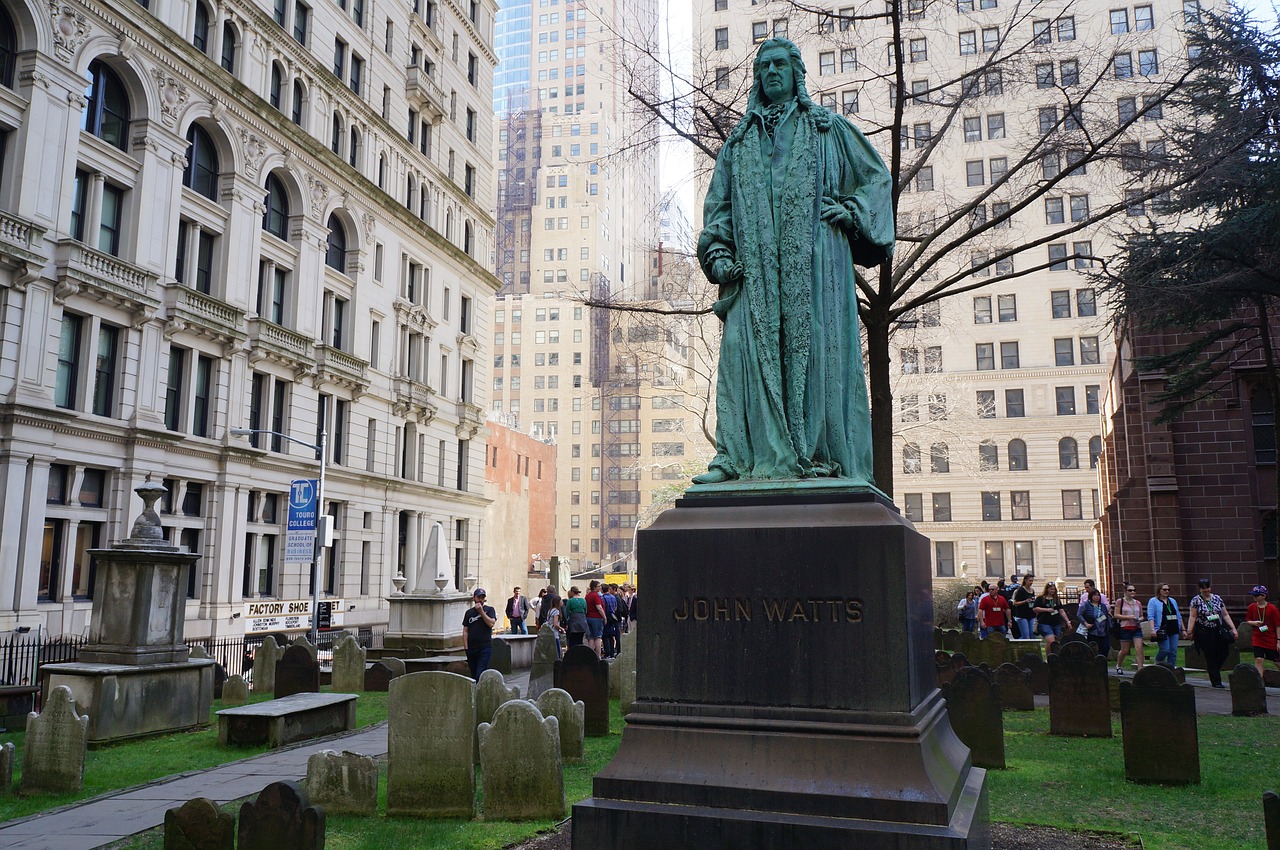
x: 300, y: 528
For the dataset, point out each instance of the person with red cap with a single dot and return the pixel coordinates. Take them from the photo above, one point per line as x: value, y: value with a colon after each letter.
x: 1265, y: 620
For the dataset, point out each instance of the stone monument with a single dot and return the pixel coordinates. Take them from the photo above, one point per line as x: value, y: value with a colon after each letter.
x: 426, y: 609
x: 135, y: 676
x: 785, y: 689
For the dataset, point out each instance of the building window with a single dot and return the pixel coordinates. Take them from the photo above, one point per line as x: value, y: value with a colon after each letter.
x: 112, y: 221
x: 1068, y: 454
x: 105, y: 368
x: 273, y: 91
x: 1060, y: 301
x: 945, y: 556
x: 1066, y: 400
x: 1017, y: 452
x: 1064, y: 352
x: 106, y: 115
x: 910, y: 459
x: 986, y: 355
x: 200, y: 32
x: 1009, y: 357
x: 201, y: 173
x: 67, y: 379
x: 1095, y: 451
x: 986, y: 404
x: 1014, y: 405
x: 301, y: 19
x: 939, y: 458
x: 8, y: 48
x: 991, y: 506
x: 276, y: 218
x: 988, y: 456
x: 993, y: 552
x: 913, y: 506
x: 1262, y: 419
x: 1008, y: 305
x: 335, y: 254
x: 722, y: 38
x: 1020, y: 504
x: 942, y: 507
x: 1073, y: 550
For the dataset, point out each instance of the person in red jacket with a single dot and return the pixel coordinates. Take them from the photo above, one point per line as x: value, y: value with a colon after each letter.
x: 1265, y: 619
x: 993, y: 612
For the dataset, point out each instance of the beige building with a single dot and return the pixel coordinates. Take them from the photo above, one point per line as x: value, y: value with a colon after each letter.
x: 996, y: 388
x: 221, y: 215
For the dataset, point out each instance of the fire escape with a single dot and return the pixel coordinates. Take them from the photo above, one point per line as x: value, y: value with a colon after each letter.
x: 517, y: 185
x: 615, y: 376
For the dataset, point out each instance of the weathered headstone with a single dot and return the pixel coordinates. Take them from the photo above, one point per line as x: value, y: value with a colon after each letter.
x: 520, y: 758
x: 1039, y: 670
x: 500, y: 657
x: 1113, y: 692
x: 973, y: 706
x: 1158, y: 723
x: 968, y: 645
x: 1079, y: 703
x: 297, y: 672
x: 301, y: 640
x: 940, y: 657
x: 571, y: 715
x: 624, y: 667
x: 542, y: 674
x: 431, y: 734
x: 491, y: 693
x: 53, y: 756
x: 7, y: 755
x: 1248, y: 696
x: 951, y: 640
x: 265, y: 658
x: 995, y: 650
x: 344, y: 783
x: 219, y: 680
x: 1015, y: 688
x: 378, y: 676
x: 235, y: 691
x: 197, y: 651
x: 281, y: 818
x: 348, y: 666
x: 586, y: 677
x: 947, y: 672
x: 199, y: 825
x: 937, y: 637
x: 1271, y: 817
x: 396, y: 665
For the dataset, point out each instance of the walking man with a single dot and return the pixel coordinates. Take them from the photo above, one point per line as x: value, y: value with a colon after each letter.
x: 518, y: 612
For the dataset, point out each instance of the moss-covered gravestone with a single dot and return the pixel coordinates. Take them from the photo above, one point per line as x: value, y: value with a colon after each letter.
x: 53, y: 757
x: 199, y: 825
x: 348, y: 666
x: 431, y: 732
x: 571, y: 715
x: 520, y: 759
x: 281, y: 818
x: 344, y: 783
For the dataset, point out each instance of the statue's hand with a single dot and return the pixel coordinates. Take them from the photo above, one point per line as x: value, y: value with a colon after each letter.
x: 835, y: 213
x: 726, y: 271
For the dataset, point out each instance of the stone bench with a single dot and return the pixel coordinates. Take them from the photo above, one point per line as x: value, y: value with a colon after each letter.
x: 287, y: 720
x: 521, y: 649
x: 438, y: 663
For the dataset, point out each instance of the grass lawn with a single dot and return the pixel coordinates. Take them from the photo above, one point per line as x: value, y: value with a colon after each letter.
x: 135, y: 762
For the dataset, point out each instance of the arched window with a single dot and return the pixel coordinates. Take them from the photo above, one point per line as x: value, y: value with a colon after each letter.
x: 1017, y: 456
x: 273, y: 95
x: 448, y: 225
x: 353, y: 147
x: 228, y: 61
x: 910, y: 458
x: 8, y: 48
x: 940, y: 457
x: 382, y: 172
x: 107, y: 115
x: 1095, y: 451
x: 467, y: 236
x: 409, y: 187
x: 202, y: 163
x: 295, y: 112
x: 200, y: 34
x: 988, y: 456
x: 336, y: 142
x: 276, y: 219
x: 335, y: 252
x: 1068, y: 454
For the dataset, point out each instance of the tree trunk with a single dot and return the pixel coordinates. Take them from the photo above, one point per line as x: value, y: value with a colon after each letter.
x: 877, y: 325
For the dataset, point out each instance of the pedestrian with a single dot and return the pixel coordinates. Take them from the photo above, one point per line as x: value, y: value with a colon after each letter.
x: 1051, y: 619
x: 595, y: 617
x: 1211, y: 629
x: 553, y: 616
x: 624, y: 609
x: 993, y: 613
x: 1096, y: 617
x: 535, y: 608
x: 1163, y: 613
x: 633, y: 606
x: 1129, y: 613
x: 517, y: 612
x: 477, y: 633
x: 1265, y: 620
x: 1090, y: 587
x: 967, y: 610
x: 1020, y: 601
x: 575, y: 615
x: 610, y: 637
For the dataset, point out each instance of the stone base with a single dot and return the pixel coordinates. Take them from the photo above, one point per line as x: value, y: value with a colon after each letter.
x: 130, y: 701
x: 426, y: 623
x: 786, y: 694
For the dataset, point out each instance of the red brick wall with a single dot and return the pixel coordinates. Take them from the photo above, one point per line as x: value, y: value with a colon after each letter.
x: 521, y: 465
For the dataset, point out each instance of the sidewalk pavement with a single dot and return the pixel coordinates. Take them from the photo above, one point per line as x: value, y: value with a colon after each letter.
x: 112, y: 817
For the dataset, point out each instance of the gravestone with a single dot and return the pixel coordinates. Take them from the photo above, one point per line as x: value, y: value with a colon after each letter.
x: 199, y: 825
x: 1158, y: 723
x: 431, y: 731
x: 396, y: 665
x: 954, y: 665
x: 1113, y: 692
x: 235, y: 691
x: 1015, y: 688
x: 1271, y: 817
x: 614, y: 692
x: 297, y: 672
x: 53, y: 756
x: 500, y: 657
x: 571, y: 715
x: 951, y: 640
x: 1079, y: 703
x: 586, y: 677
x: 624, y: 666
x: 1039, y: 670
x: 995, y: 650
x: 301, y: 640
x: 265, y: 658
x: 491, y: 693
x: 343, y: 783
x: 1248, y: 697
x: 281, y: 818
x: 378, y: 676
x: 542, y: 673
x: 7, y: 755
x: 940, y: 658
x: 968, y: 644
x: 520, y: 759
x: 937, y: 638
x: 348, y: 666
x: 973, y: 705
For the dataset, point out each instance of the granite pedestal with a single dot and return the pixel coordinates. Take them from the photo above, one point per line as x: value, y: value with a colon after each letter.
x: 130, y: 701
x: 426, y: 622
x: 785, y: 692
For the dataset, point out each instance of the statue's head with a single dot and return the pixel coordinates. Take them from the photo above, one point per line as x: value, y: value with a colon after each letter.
x: 778, y: 71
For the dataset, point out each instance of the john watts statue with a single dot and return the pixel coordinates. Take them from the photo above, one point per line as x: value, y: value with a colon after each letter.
x: 798, y: 197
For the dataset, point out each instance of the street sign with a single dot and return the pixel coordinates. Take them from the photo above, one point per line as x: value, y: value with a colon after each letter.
x: 300, y: 530
x: 291, y: 615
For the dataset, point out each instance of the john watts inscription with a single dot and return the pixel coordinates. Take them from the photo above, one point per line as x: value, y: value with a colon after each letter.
x: 787, y: 609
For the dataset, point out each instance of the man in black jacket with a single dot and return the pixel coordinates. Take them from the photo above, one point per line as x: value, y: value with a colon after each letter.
x: 518, y: 612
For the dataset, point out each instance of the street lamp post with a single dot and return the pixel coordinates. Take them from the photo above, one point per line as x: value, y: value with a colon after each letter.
x: 321, y: 516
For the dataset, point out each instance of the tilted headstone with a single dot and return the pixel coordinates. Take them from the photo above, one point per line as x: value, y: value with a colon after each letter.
x: 571, y: 715
x: 344, y: 783
x: 542, y: 674
x: 378, y: 676
x: 586, y: 677
x: 396, y: 665
x: 348, y: 666
x: 301, y: 640
x: 491, y: 693
x: 265, y: 658
x: 281, y: 818
x: 500, y: 657
x: 973, y: 706
x: 1039, y: 670
x: 520, y: 758
x: 1158, y: 723
x: 199, y: 825
x: 1015, y: 688
x: 235, y: 691
x: 297, y: 672
x: 7, y: 755
x: 1271, y: 817
x: 53, y: 756
x: 1079, y: 702
x: 1248, y: 696
x: 431, y: 732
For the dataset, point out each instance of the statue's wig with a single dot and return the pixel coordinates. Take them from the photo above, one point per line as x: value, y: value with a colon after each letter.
x: 756, y: 100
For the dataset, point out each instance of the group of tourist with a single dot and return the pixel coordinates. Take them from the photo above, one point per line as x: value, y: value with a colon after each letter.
x: 1014, y: 609
x: 598, y: 619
